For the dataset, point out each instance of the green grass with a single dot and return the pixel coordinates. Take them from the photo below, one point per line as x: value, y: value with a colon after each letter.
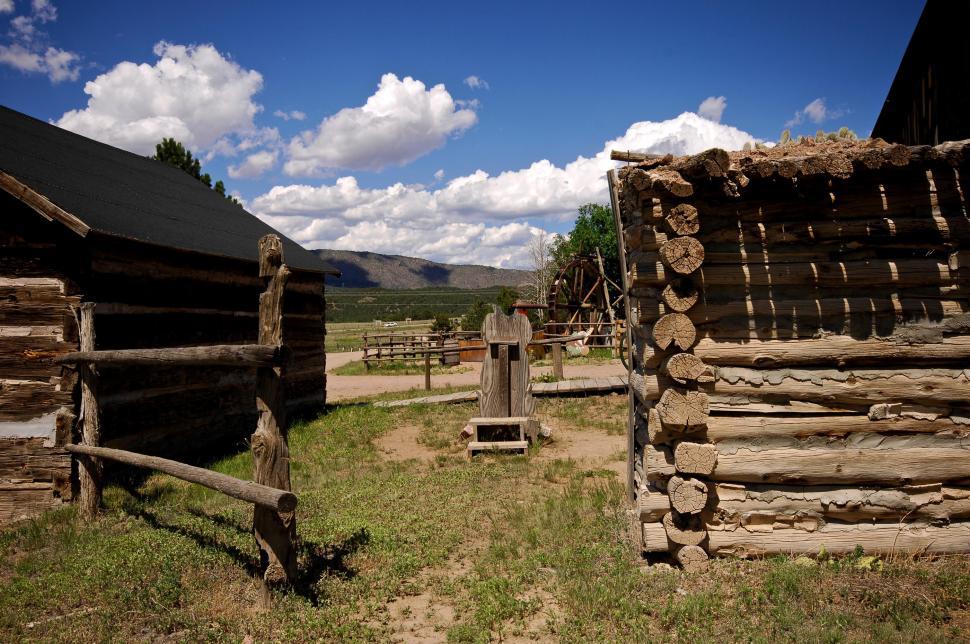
x: 368, y: 304
x: 535, y: 547
x: 398, y: 368
x: 597, y: 355
x: 348, y: 336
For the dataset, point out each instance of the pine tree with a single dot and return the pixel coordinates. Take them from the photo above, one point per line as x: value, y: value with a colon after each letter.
x: 174, y: 153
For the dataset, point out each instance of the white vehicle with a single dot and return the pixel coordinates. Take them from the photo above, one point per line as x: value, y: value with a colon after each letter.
x: 388, y: 325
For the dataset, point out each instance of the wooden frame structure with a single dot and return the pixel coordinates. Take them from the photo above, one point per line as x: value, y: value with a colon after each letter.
x: 274, y: 522
x: 170, y: 263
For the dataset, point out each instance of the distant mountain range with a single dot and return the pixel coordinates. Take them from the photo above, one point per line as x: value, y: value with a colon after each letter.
x: 374, y: 270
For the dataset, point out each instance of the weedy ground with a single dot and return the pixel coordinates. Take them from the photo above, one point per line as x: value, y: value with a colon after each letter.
x: 399, y: 545
x: 398, y: 368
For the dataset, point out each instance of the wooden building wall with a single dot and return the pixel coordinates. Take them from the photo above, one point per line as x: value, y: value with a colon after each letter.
x: 37, y: 293
x: 146, y: 297
x: 816, y: 392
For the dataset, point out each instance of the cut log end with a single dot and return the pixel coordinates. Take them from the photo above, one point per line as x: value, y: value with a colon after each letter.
x: 684, y: 530
x: 674, y: 329
x: 683, y: 220
x: 670, y: 182
x: 683, y: 255
x: 692, y: 558
x: 683, y: 410
x: 695, y: 458
x: 687, y: 496
x: 686, y: 367
x: 680, y: 295
x: 655, y: 430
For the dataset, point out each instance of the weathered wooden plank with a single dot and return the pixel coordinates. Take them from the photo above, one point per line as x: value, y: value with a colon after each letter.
x: 262, y: 495
x: 235, y: 355
x: 754, y: 428
x: 834, y: 351
x: 858, y: 274
x: 903, y: 465
x: 880, y: 538
x: 275, y: 531
x: 505, y: 371
x: 90, y: 470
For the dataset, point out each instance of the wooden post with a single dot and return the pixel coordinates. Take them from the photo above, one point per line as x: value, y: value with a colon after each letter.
x: 427, y: 371
x: 557, y: 360
x: 91, y: 469
x: 275, y: 532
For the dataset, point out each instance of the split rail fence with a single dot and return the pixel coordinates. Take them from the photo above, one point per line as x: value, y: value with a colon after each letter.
x: 385, y: 347
x: 274, y: 522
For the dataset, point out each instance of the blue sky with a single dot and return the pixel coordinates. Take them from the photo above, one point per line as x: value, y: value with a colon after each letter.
x: 560, y: 81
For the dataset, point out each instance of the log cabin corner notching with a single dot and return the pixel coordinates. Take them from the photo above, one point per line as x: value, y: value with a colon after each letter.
x: 169, y: 262
x: 801, y: 349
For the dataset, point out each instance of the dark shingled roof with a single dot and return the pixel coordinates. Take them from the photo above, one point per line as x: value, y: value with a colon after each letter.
x: 125, y: 195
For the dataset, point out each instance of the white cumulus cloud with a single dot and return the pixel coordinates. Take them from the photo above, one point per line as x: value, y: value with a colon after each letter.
x: 27, y: 48
x: 294, y: 115
x: 192, y: 93
x: 254, y: 165
x: 712, y: 108
x: 401, y: 121
x: 816, y: 112
x: 464, y: 219
x: 44, y: 10
x: 476, y: 82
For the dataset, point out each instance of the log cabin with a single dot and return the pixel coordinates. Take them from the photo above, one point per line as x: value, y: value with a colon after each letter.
x: 167, y: 262
x: 800, y: 324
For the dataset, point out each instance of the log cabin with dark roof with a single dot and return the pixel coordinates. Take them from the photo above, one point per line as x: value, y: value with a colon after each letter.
x: 167, y: 262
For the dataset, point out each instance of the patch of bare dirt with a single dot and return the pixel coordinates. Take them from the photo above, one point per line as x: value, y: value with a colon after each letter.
x: 419, y: 618
x: 426, y: 617
x: 590, y: 448
x: 401, y: 444
x: 536, y: 627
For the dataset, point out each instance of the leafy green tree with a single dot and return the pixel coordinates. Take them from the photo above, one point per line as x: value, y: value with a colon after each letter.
x: 595, y: 228
x: 475, y: 316
x: 441, y: 324
x: 506, y: 298
x: 174, y: 153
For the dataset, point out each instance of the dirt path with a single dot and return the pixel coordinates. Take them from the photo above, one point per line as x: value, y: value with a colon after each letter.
x: 426, y: 616
x: 347, y: 387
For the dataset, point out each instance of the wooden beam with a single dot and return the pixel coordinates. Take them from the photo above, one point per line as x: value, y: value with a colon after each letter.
x: 229, y: 355
x: 880, y: 538
x: 42, y: 205
x: 834, y: 350
x: 90, y: 470
x: 275, y: 531
x: 261, y: 495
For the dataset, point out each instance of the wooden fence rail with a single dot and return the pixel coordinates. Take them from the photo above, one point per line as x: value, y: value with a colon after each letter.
x: 262, y: 495
x: 274, y: 521
x: 217, y: 355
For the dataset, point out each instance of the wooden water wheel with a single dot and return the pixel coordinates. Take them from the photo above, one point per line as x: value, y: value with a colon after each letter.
x: 582, y: 299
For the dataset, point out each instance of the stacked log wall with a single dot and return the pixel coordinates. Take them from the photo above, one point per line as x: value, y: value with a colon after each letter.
x: 37, y: 294
x: 828, y: 324
x: 167, y: 298
x: 146, y: 297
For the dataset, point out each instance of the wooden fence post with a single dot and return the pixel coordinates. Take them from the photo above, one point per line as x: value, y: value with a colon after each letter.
x: 91, y: 470
x: 557, y: 360
x: 275, y: 532
x: 427, y: 371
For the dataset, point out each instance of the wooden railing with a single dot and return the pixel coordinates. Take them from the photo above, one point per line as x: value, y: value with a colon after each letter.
x: 555, y: 342
x: 604, y: 334
x: 274, y: 521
